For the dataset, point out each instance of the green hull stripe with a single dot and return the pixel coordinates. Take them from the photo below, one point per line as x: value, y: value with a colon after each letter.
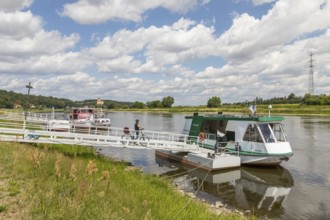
x: 256, y: 154
x: 249, y: 153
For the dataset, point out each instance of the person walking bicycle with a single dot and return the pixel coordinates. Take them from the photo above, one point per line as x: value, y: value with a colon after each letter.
x: 137, y: 128
x: 138, y: 134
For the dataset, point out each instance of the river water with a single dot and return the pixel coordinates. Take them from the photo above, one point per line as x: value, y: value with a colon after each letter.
x: 298, y: 189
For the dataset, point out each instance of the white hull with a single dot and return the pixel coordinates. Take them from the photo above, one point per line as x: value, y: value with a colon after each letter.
x: 58, y: 125
x: 202, y: 160
x: 263, y: 160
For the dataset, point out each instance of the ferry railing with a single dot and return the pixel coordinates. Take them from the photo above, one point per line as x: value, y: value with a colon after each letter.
x: 217, y: 146
x: 39, y: 131
x: 19, y: 115
x: 114, y: 134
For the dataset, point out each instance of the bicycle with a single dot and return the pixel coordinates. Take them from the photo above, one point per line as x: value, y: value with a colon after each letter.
x: 127, y: 137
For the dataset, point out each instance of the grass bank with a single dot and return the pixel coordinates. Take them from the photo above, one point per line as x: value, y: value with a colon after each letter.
x: 72, y: 182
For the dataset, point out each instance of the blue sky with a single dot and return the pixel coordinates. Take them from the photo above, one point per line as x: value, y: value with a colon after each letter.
x: 137, y: 50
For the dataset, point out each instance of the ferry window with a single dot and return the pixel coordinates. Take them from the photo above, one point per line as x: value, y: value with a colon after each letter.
x: 210, y: 136
x: 267, y: 133
x: 278, y: 132
x: 252, y: 134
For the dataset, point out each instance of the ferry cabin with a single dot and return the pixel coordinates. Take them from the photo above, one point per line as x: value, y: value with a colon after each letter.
x: 82, y: 113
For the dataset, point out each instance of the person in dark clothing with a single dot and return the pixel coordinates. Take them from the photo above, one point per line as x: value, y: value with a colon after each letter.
x: 137, y: 128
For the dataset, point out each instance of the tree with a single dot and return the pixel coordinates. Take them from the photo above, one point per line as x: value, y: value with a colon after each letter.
x: 214, y: 102
x: 291, y: 96
x: 155, y: 104
x: 138, y: 105
x: 167, y: 102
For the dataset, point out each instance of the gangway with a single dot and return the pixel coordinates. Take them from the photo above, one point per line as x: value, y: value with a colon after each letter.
x: 33, y: 131
x: 169, y: 145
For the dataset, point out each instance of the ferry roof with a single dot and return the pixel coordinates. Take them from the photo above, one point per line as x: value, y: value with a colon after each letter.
x: 226, y: 117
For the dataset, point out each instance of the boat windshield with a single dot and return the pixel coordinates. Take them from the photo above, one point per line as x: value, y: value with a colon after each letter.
x: 272, y: 132
x: 267, y: 133
x: 278, y: 131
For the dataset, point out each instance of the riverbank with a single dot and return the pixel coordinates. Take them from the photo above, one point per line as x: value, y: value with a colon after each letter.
x: 71, y: 182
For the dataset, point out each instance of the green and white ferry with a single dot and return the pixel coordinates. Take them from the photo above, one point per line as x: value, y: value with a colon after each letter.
x: 259, y: 140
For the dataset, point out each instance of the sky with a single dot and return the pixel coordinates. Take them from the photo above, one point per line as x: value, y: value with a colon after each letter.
x: 140, y: 50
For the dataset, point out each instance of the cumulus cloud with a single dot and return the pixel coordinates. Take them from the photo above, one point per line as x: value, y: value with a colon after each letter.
x: 25, y: 45
x: 263, y: 57
x: 281, y: 25
x: 14, y: 5
x: 61, y: 63
x: 267, y: 54
x: 37, y: 44
x: 94, y: 12
x: 182, y: 41
x: 17, y: 25
x: 261, y: 2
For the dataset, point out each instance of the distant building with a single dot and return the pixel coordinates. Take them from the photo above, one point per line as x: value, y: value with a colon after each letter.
x: 99, y: 102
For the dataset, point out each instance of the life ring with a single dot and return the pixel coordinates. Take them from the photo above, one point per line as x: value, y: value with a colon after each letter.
x: 201, y: 136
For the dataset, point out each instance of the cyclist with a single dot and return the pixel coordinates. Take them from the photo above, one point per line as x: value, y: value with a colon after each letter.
x: 137, y: 128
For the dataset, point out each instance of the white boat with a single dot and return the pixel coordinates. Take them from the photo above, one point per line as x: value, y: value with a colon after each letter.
x: 102, y: 122
x: 100, y: 119
x: 57, y: 124
x: 89, y: 117
x: 259, y: 140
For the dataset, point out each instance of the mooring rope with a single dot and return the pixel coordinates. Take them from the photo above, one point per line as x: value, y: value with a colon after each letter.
x: 187, y: 171
x: 195, y: 193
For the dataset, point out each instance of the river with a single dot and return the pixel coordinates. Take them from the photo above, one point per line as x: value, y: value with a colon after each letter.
x: 298, y: 189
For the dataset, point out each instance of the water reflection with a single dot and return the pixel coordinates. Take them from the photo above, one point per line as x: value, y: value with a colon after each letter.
x: 247, y: 188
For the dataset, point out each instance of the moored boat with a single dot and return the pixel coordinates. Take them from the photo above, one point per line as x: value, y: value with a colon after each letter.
x: 88, y: 117
x: 259, y: 140
x: 57, y: 125
x: 54, y: 124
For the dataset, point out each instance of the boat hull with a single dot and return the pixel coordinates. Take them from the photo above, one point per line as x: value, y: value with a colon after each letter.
x: 269, y: 160
x: 202, y: 160
x: 58, y: 125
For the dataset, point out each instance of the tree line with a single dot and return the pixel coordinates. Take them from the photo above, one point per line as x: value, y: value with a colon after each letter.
x: 307, y: 99
x: 10, y: 100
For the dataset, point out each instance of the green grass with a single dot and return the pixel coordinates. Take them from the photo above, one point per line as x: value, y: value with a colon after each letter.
x: 41, y: 182
x: 3, y: 208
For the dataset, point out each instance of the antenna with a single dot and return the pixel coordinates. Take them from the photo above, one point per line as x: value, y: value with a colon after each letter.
x: 311, y: 75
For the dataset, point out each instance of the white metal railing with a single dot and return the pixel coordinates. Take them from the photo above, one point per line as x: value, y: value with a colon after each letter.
x: 30, y: 116
x: 14, y: 129
x: 78, y: 133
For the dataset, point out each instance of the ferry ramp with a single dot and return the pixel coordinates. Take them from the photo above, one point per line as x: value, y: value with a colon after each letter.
x: 36, y: 130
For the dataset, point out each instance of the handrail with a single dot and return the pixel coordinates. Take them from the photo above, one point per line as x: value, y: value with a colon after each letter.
x: 39, y: 131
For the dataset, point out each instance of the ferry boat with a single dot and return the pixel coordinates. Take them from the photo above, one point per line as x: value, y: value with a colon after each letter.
x: 259, y: 140
x: 87, y: 117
